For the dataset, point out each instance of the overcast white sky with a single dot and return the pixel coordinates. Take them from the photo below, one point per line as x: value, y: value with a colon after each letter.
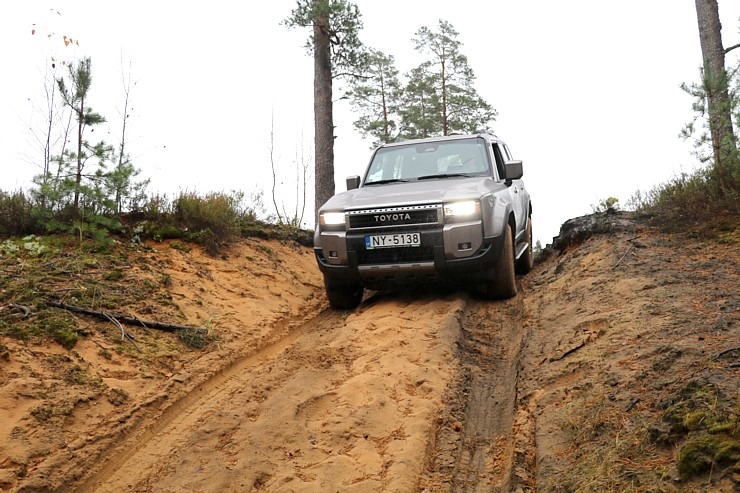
x: 587, y: 91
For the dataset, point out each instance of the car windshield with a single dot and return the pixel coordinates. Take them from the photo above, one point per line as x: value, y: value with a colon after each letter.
x: 429, y: 160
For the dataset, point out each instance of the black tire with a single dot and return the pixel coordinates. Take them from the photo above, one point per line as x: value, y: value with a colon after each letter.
x: 525, y: 263
x: 504, y: 283
x: 343, y: 296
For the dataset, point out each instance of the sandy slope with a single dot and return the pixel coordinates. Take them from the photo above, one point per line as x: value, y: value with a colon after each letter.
x: 430, y: 390
x: 621, y: 326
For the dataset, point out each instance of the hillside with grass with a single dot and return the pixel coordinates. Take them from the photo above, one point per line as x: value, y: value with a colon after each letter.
x: 159, y: 350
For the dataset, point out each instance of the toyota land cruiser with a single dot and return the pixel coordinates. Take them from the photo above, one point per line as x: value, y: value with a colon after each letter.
x: 442, y: 208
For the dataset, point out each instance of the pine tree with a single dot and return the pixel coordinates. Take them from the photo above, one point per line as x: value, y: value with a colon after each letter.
x: 715, y: 88
x: 460, y: 108
x: 75, y: 97
x: 337, y: 52
x: 421, y: 105
x: 376, y: 97
x: 92, y: 183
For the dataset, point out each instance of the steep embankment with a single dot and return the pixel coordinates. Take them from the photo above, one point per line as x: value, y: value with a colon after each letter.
x: 630, y: 378
x: 614, y: 369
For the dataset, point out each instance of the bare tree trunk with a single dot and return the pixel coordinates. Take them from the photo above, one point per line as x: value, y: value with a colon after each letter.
x: 272, y: 166
x: 50, y: 93
x: 323, y: 115
x: 122, y: 147
x: 386, y: 127
x: 445, y: 125
x: 715, y: 84
x: 304, y: 166
x: 78, y: 177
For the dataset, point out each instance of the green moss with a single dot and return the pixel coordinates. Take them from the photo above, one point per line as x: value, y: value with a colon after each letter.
x: 117, y: 396
x: 77, y: 375
x: 88, y: 263
x: 182, y: 247
x: 258, y: 229
x: 697, y: 420
x: 16, y: 331
x: 51, y: 410
x: 42, y: 413
x: 197, y: 337
x: 57, y: 325
x: 265, y: 249
x: 67, y: 338
x: 114, y: 275
x: 166, y: 232
x: 60, y: 325
x: 728, y: 428
x: 166, y: 280
x: 80, y: 376
x: 699, y: 406
x: 704, y: 421
x: 706, y: 452
x: 728, y: 451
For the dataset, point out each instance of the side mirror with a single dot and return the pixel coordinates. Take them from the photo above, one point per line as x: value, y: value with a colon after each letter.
x: 514, y: 170
x: 353, y: 182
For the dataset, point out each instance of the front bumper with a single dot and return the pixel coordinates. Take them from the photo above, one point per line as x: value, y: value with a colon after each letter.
x: 457, y: 253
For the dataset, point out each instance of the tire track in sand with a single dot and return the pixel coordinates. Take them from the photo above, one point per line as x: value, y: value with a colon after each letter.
x: 345, y: 402
x: 145, y: 432
x: 474, y: 449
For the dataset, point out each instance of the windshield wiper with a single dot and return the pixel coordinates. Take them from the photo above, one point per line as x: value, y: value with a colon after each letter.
x: 445, y: 175
x: 383, y: 182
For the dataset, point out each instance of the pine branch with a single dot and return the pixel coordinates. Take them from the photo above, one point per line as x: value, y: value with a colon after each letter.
x: 727, y: 50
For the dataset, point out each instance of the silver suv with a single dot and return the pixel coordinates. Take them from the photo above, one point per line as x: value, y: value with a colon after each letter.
x: 443, y: 208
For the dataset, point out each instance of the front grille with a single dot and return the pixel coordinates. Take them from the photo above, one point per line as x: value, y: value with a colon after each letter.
x: 395, y: 216
x: 395, y: 255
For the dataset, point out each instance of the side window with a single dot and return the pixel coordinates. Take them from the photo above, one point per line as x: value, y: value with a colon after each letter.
x: 506, y: 152
x: 499, y: 161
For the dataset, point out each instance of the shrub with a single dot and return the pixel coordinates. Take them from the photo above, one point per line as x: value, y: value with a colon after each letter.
x: 210, y: 220
x: 17, y: 214
x: 604, y: 206
x: 166, y: 232
x: 687, y: 199
x: 156, y: 207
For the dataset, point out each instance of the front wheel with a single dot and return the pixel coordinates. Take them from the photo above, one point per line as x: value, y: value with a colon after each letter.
x: 343, y: 296
x: 503, y: 284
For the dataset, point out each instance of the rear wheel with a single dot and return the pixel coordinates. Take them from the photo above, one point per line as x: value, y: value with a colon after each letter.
x: 503, y: 284
x: 343, y: 295
x: 525, y: 263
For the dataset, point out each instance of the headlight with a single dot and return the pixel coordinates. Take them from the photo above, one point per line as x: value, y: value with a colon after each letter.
x: 462, y: 211
x: 331, y: 219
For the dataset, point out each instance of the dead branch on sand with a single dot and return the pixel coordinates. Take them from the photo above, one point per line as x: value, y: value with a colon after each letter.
x: 26, y: 311
x: 123, y: 318
x: 124, y: 335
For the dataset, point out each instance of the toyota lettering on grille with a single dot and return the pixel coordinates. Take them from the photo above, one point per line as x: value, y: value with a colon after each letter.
x: 380, y: 218
x: 383, y: 218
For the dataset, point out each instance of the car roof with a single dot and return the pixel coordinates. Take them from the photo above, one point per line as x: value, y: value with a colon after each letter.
x: 486, y: 134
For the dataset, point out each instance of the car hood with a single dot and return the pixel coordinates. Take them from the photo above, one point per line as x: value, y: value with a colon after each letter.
x: 430, y: 191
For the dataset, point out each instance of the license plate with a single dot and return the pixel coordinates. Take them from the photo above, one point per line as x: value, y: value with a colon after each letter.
x: 394, y: 240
